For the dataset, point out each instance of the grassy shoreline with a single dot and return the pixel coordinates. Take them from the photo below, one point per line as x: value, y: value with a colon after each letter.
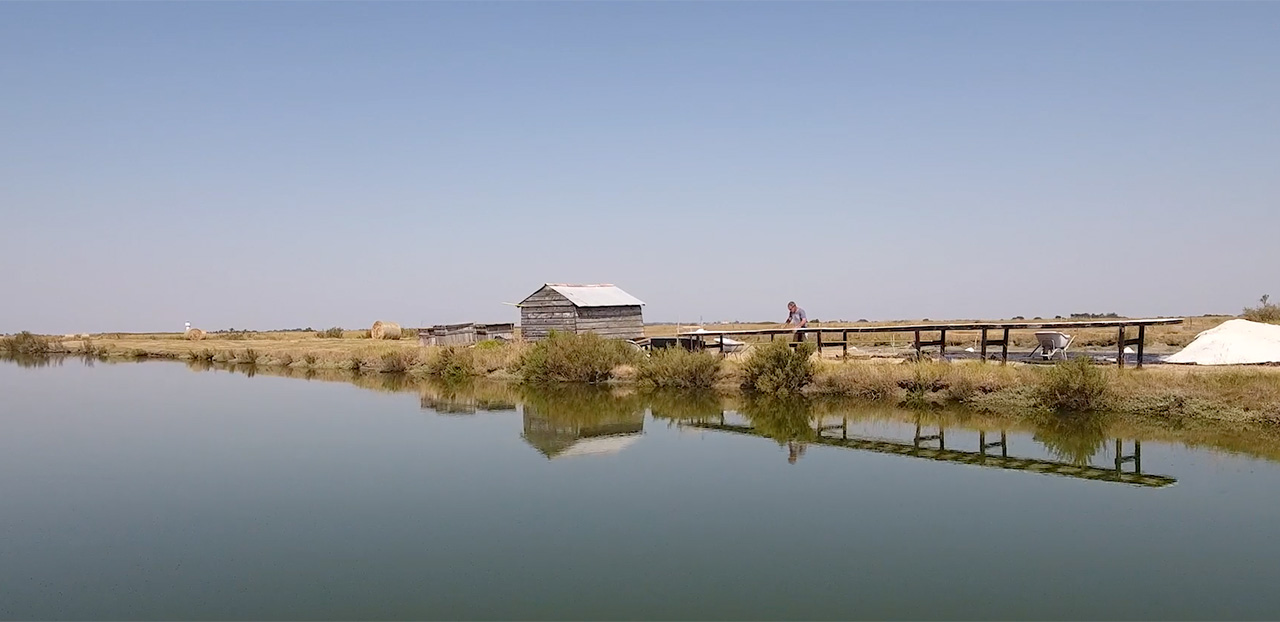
x: 1170, y: 393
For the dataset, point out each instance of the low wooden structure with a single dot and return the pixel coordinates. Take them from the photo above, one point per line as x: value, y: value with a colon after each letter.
x: 464, y: 334
x: 602, y: 309
x: 834, y: 336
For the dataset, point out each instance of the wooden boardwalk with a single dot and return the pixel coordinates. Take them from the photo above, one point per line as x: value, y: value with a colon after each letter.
x: 833, y: 336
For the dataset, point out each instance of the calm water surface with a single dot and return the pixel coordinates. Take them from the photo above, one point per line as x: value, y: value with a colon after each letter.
x: 147, y: 491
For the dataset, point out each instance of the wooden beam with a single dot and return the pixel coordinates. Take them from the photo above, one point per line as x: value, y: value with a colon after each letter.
x: 1142, y: 337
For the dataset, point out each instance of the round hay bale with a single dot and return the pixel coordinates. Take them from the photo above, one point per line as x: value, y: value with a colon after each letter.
x: 385, y: 330
x: 194, y: 334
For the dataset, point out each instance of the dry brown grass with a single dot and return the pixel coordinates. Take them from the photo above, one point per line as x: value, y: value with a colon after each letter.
x: 1227, y: 394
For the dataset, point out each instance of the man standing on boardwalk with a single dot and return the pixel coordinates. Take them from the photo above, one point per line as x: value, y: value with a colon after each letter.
x: 796, y: 318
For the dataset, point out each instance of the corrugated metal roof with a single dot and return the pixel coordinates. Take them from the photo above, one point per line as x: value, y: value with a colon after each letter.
x: 603, y: 295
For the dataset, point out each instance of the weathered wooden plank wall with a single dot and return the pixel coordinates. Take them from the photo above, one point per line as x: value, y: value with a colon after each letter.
x: 612, y: 322
x: 544, y: 312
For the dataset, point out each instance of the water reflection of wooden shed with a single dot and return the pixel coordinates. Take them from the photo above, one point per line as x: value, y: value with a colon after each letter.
x: 565, y: 436
x: 464, y: 334
x: 462, y: 404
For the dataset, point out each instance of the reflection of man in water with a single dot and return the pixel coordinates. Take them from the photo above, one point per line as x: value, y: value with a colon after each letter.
x: 795, y: 449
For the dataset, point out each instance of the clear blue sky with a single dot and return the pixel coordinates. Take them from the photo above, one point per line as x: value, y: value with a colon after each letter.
x: 271, y: 165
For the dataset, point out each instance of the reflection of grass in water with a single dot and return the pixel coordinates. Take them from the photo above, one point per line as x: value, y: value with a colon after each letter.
x: 33, y: 361
x: 780, y: 418
x: 689, y: 405
x: 1072, y: 437
x: 466, y: 396
x: 582, y: 405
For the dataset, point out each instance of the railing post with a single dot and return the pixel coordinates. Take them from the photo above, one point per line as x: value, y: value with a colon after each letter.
x: 1004, y: 348
x: 1142, y: 339
x: 1120, y: 346
x: 984, y: 345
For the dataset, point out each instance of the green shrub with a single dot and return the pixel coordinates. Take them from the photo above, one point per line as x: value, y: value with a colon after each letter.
x: 489, y: 344
x: 1266, y: 311
x: 453, y: 363
x: 566, y: 357
x: 777, y: 368
x: 1074, y: 385
x: 680, y: 369
x: 26, y: 343
x: 330, y: 333
x: 393, y: 363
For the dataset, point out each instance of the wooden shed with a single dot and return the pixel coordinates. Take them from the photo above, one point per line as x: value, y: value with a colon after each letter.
x: 602, y: 309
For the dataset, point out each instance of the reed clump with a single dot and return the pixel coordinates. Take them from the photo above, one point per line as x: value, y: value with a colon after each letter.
x: 1074, y: 385
x: 330, y: 333
x: 25, y: 344
x: 566, y: 357
x: 677, y: 368
x: 1266, y: 311
x: 778, y: 368
x: 453, y: 363
x: 491, y: 356
x: 395, y: 362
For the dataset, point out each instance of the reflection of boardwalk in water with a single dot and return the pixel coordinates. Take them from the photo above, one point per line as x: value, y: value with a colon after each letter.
x: 990, y: 453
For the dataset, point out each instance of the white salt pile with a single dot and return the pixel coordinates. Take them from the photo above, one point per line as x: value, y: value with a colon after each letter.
x: 1234, y: 342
